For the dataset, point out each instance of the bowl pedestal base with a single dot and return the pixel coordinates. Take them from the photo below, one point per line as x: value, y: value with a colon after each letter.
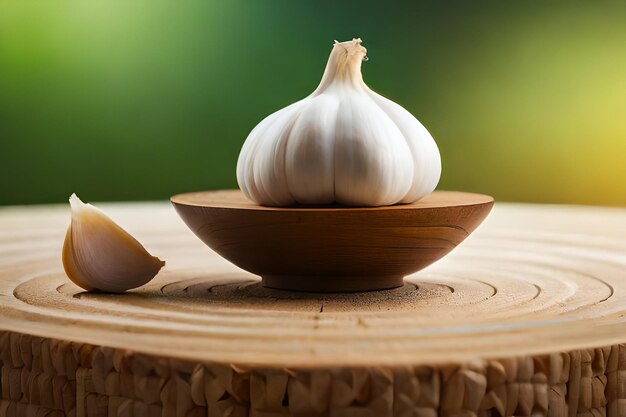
x: 332, y: 283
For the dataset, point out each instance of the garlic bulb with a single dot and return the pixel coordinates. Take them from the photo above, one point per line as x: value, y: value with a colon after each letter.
x: 100, y: 255
x: 343, y: 143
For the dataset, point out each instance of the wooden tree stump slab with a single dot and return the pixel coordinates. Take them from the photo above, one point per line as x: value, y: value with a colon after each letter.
x: 526, y: 317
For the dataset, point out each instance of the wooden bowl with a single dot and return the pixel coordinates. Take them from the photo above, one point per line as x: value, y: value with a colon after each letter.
x: 332, y: 249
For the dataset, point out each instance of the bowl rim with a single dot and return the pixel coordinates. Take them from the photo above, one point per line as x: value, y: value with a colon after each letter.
x: 238, y: 201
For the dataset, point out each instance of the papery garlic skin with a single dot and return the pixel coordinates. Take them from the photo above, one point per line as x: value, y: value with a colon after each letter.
x: 342, y: 144
x: 100, y: 255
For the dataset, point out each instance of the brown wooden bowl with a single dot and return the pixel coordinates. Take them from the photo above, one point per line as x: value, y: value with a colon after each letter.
x: 331, y: 249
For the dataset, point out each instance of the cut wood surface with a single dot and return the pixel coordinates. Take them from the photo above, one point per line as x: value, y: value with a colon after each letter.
x: 526, y: 317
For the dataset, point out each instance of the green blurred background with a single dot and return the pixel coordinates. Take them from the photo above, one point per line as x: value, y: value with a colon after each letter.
x: 135, y: 100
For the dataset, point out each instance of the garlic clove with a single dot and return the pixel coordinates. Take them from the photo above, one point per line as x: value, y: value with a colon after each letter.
x: 423, y: 149
x: 100, y: 255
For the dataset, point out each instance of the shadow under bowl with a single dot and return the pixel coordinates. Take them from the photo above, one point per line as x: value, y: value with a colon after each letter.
x: 332, y: 249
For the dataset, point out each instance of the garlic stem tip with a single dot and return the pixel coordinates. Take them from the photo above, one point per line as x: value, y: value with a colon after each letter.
x: 75, y: 200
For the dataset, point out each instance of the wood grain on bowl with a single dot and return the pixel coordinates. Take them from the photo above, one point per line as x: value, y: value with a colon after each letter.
x: 332, y: 248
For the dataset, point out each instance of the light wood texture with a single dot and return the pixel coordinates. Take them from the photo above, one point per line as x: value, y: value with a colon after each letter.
x: 332, y: 249
x: 526, y: 317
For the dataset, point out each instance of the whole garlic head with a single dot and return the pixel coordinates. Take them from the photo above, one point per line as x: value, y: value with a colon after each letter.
x: 342, y: 144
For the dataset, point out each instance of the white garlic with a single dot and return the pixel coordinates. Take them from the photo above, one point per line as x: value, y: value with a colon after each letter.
x: 342, y: 144
x: 100, y: 255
